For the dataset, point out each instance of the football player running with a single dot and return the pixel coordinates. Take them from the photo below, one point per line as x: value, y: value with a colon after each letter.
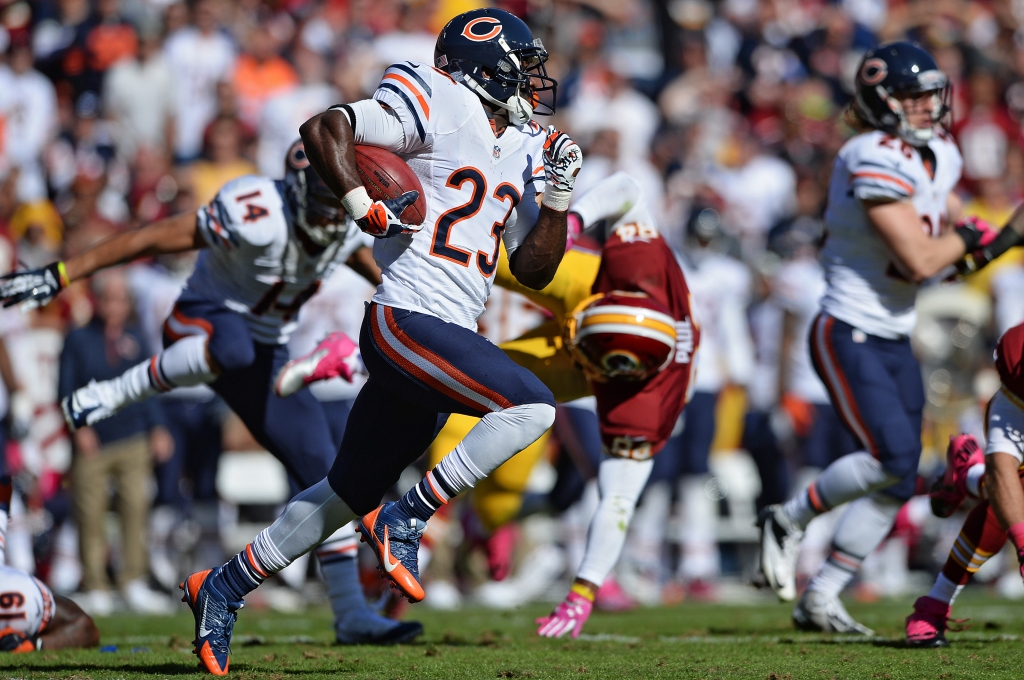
x: 265, y: 247
x: 465, y: 129
x: 993, y: 475
x: 34, y: 618
x: 892, y: 224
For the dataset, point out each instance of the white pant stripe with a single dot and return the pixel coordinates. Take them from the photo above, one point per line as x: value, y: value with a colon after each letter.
x: 848, y: 410
x: 430, y: 369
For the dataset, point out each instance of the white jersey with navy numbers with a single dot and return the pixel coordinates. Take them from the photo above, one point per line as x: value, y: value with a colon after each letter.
x: 864, y: 288
x: 26, y: 604
x: 256, y: 265
x: 479, y: 189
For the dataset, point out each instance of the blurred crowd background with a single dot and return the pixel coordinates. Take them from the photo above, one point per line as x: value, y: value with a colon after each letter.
x: 115, y: 113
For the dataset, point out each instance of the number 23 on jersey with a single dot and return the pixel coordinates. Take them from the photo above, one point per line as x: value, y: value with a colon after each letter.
x: 441, y: 245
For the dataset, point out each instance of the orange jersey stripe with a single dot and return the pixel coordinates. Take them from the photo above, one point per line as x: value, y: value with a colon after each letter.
x: 409, y: 86
x: 878, y: 175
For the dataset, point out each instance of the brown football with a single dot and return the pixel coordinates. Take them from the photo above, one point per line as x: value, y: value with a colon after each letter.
x: 385, y: 176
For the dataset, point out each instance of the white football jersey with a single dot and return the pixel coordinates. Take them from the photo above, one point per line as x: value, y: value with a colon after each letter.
x: 864, y: 288
x: 473, y: 183
x: 255, y: 263
x: 26, y: 604
x: 797, y: 288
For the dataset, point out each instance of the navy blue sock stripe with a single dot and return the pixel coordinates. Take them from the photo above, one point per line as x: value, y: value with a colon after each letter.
x: 237, y: 578
x: 420, y: 502
x: 438, y: 474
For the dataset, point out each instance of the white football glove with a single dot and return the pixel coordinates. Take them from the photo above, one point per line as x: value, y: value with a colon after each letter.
x: 380, y: 219
x: 562, y: 161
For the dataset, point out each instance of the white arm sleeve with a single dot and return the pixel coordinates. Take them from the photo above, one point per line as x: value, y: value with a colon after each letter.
x: 522, y: 220
x: 373, y: 124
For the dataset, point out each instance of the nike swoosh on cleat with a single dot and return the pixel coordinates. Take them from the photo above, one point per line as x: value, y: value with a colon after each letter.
x: 388, y: 565
x: 203, y: 630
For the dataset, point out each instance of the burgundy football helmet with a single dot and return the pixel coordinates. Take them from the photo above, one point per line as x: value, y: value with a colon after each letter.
x: 621, y: 336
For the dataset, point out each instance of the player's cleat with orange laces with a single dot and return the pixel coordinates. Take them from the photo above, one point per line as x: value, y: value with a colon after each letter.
x: 337, y: 356
x: 950, y: 490
x: 394, y: 537
x: 215, y: 619
x: 927, y: 626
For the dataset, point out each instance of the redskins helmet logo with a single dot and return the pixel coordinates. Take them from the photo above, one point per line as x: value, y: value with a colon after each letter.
x: 296, y: 157
x: 482, y: 28
x: 873, y: 71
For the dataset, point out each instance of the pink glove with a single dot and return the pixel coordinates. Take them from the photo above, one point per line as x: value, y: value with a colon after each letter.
x: 1016, y: 535
x: 569, y: 616
x: 980, y: 231
x: 575, y: 228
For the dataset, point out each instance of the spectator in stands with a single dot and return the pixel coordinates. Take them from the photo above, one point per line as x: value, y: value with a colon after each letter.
x: 200, y: 56
x: 120, y: 449
x: 224, y: 161
x: 28, y: 107
x: 260, y: 73
x: 138, y: 96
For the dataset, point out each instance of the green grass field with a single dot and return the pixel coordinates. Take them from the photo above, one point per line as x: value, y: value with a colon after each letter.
x: 688, y: 641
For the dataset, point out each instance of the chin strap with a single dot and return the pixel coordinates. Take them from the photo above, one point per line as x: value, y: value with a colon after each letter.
x: 519, y: 113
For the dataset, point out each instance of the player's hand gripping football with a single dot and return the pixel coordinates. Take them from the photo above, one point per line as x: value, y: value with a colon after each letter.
x: 380, y: 219
x: 34, y: 287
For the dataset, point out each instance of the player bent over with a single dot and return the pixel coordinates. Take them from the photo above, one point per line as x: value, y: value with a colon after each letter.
x: 33, y: 617
x: 994, y: 477
x: 464, y: 128
x: 265, y: 247
x: 889, y: 218
x: 635, y: 339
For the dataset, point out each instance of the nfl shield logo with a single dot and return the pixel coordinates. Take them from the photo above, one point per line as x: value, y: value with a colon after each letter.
x: 497, y: 152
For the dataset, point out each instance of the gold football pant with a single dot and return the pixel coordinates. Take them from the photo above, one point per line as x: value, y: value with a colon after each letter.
x: 498, y: 498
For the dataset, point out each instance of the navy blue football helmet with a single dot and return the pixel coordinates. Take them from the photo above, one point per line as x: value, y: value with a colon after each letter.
x: 316, y: 209
x: 493, y: 53
x: 890, y: 72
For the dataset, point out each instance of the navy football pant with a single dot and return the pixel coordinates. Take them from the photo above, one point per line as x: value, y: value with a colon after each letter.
x: 293, y: 429
x: 421, y: 370
x: 195, y: 427
x: 876, y: 388
x: 687, y: 453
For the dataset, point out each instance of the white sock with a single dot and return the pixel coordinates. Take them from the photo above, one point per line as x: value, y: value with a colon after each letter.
x: 700, y: 558
x: 974, y: 477
x: 183, y: 364
x: 864, y: 524
x: 945, y: 590
x: 620, y: 482
x: 799, y: 510
x: 492, y: 441
x: 852, y: 476
x: 307, y: 521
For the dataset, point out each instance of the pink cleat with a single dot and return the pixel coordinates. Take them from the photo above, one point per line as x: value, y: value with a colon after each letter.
x: 612, y: 598
x: 336, y: 356
x: 950, y: 490
x: 568, y: 617
x: 926, y: 627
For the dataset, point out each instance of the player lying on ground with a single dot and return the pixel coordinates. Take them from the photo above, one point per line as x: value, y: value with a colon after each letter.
x: 626, y: 315
x: 465, y: 130
x: 33, y: 617
x: 265, y: 247
x: 993, y: 477
x: 890, y: 218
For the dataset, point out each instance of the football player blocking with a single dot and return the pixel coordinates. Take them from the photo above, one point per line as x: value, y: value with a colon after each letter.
x: 465, y: 130
x: 265, y: 247
x: 892, y: 223
x: 994, y: 478
x: 635, y: 339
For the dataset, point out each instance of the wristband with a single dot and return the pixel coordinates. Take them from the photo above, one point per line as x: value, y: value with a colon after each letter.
x: 357, y: 202
x: 1016, y: 535
x: 588, y: 593
x: 62, y: 273
x: 556, y: 199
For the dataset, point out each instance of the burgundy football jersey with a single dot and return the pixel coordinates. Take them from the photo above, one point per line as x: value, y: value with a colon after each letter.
x: 1008, y: 355
x: 637, y: 417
